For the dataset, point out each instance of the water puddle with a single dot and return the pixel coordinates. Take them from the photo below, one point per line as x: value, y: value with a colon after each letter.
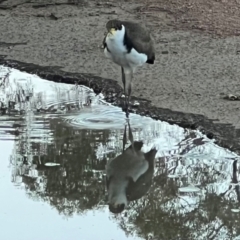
x: 55, y: 143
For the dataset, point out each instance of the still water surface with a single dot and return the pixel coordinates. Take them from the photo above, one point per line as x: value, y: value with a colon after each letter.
x: 55, y: 144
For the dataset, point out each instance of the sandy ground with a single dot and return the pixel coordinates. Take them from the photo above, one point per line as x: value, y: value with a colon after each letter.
x: 197, y: 47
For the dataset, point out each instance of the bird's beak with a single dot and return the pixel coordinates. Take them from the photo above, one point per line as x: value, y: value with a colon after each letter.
x: 116, y: 205
x: 116, y: 208
x: 112, y: 31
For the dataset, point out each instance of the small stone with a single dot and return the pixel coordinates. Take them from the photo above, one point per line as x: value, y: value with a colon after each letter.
x: 235, y: 210
x: 210, y: 135
x: 164, y: 52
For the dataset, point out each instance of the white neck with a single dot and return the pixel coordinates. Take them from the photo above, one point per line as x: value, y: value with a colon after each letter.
x: 118, y: 35
x: 117, y: 192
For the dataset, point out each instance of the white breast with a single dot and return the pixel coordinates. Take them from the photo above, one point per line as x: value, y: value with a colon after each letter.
x: 117, y: 49
x: 118, y: 52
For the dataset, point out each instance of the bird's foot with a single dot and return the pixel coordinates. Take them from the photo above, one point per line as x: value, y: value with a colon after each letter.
x: 126, y: 105
x: 125, y: 109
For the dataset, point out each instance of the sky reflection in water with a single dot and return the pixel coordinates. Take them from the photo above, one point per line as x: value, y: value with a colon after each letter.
x: 194, y: 194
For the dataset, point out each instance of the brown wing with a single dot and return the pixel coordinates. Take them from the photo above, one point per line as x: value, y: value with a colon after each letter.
x: 140, y: 38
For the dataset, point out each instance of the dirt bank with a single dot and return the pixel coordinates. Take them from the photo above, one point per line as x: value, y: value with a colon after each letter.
x: 196, y: 42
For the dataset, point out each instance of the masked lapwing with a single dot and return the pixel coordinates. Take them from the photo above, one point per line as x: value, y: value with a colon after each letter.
x: 129, y: 176
x: 129, y: 45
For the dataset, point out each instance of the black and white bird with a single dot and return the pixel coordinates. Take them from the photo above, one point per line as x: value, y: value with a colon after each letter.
x: 129, y: 176
x: 129, y: 45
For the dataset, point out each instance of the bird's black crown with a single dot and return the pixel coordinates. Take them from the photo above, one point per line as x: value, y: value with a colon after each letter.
x: 117, y: 24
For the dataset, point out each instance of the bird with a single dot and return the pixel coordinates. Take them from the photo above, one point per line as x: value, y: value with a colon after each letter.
x: 129, y: 176
x: 129, y: 45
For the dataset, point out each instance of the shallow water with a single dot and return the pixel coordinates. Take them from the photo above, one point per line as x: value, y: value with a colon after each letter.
x: 54, y: 147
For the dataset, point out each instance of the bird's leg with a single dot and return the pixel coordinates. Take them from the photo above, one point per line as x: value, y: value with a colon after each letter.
x: 129, y: 91
x: 124, y: 84
x: 130, y: 135
x: 124, y: 137
x: 125, y: 92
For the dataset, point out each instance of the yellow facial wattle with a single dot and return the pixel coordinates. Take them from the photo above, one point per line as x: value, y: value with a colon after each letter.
x: 112, y: 31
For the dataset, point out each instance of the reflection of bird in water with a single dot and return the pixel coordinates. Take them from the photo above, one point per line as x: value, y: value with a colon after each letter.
x: 129, y: 45
x: 129, y: 175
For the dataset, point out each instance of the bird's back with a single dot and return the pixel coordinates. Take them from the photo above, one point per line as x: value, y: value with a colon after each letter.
x: 139, y: 37
x: 137, y: 30
x: 131, y: 163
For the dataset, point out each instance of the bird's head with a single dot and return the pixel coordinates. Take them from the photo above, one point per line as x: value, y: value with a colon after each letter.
x: 113, y: 26
x: 117, y: 208
x: 117, y: 198
x: 117, y: 201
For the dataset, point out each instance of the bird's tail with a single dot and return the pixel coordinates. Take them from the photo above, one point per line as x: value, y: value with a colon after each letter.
x: 137, y: 145
x: 150, y: 156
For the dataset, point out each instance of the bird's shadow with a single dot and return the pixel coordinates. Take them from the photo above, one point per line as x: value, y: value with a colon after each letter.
x: 129, y: 175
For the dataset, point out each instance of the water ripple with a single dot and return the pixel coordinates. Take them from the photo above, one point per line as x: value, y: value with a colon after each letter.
x: 102, y: 117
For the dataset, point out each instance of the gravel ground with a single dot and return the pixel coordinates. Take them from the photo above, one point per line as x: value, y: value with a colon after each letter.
x: 197, y: 47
